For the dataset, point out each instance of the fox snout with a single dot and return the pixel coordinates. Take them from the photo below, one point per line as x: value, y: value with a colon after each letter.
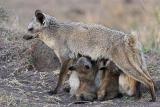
x: 30, y: 36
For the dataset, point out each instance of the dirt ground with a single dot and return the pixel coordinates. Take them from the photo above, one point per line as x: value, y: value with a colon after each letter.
x: 21, y: 85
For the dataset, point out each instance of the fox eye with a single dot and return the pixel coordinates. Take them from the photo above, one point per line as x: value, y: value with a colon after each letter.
x: 43, y: 23
x: 72, y: 68
x: 87, y: 67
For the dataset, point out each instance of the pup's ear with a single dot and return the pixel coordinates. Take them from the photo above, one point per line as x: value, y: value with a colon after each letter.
x: 72, y: 68
x: 79, y: 55
x: 103, y: 68
x: 40, y: 16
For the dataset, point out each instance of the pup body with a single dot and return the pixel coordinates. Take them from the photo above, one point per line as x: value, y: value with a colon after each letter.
x: 84, y: 71
x: 109, y: 76
x: 115, y: 82
x: 128, y: 86
x: 74, y: 82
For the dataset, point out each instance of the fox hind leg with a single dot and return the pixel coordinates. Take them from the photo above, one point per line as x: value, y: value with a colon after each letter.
x: 130, y: 67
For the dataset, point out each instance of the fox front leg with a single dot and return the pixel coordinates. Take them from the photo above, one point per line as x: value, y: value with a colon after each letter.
x: 63, y: 73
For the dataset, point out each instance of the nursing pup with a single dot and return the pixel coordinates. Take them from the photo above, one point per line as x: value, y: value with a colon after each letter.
x: 114, y: 82
x: 82, y: 79
x: 108, y: 74
x: 129, y: 86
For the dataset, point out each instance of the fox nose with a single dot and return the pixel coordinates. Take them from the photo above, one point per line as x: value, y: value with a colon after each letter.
x: 30, y: 29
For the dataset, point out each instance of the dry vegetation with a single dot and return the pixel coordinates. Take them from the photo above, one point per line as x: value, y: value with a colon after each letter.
x: 21, y: 83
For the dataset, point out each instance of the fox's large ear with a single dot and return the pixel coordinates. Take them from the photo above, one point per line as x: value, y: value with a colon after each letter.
x: 40, y: 16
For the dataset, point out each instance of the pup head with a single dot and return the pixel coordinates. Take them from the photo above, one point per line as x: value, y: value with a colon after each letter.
x: 108, y: 66
x: 103, y: 64
x: 82, y: 66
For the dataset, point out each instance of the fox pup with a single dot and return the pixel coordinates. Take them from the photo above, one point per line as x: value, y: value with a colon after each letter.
x: 114, y: 82
x: 109, y: 86
x: 85, y: 70
x: 129, y: 86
